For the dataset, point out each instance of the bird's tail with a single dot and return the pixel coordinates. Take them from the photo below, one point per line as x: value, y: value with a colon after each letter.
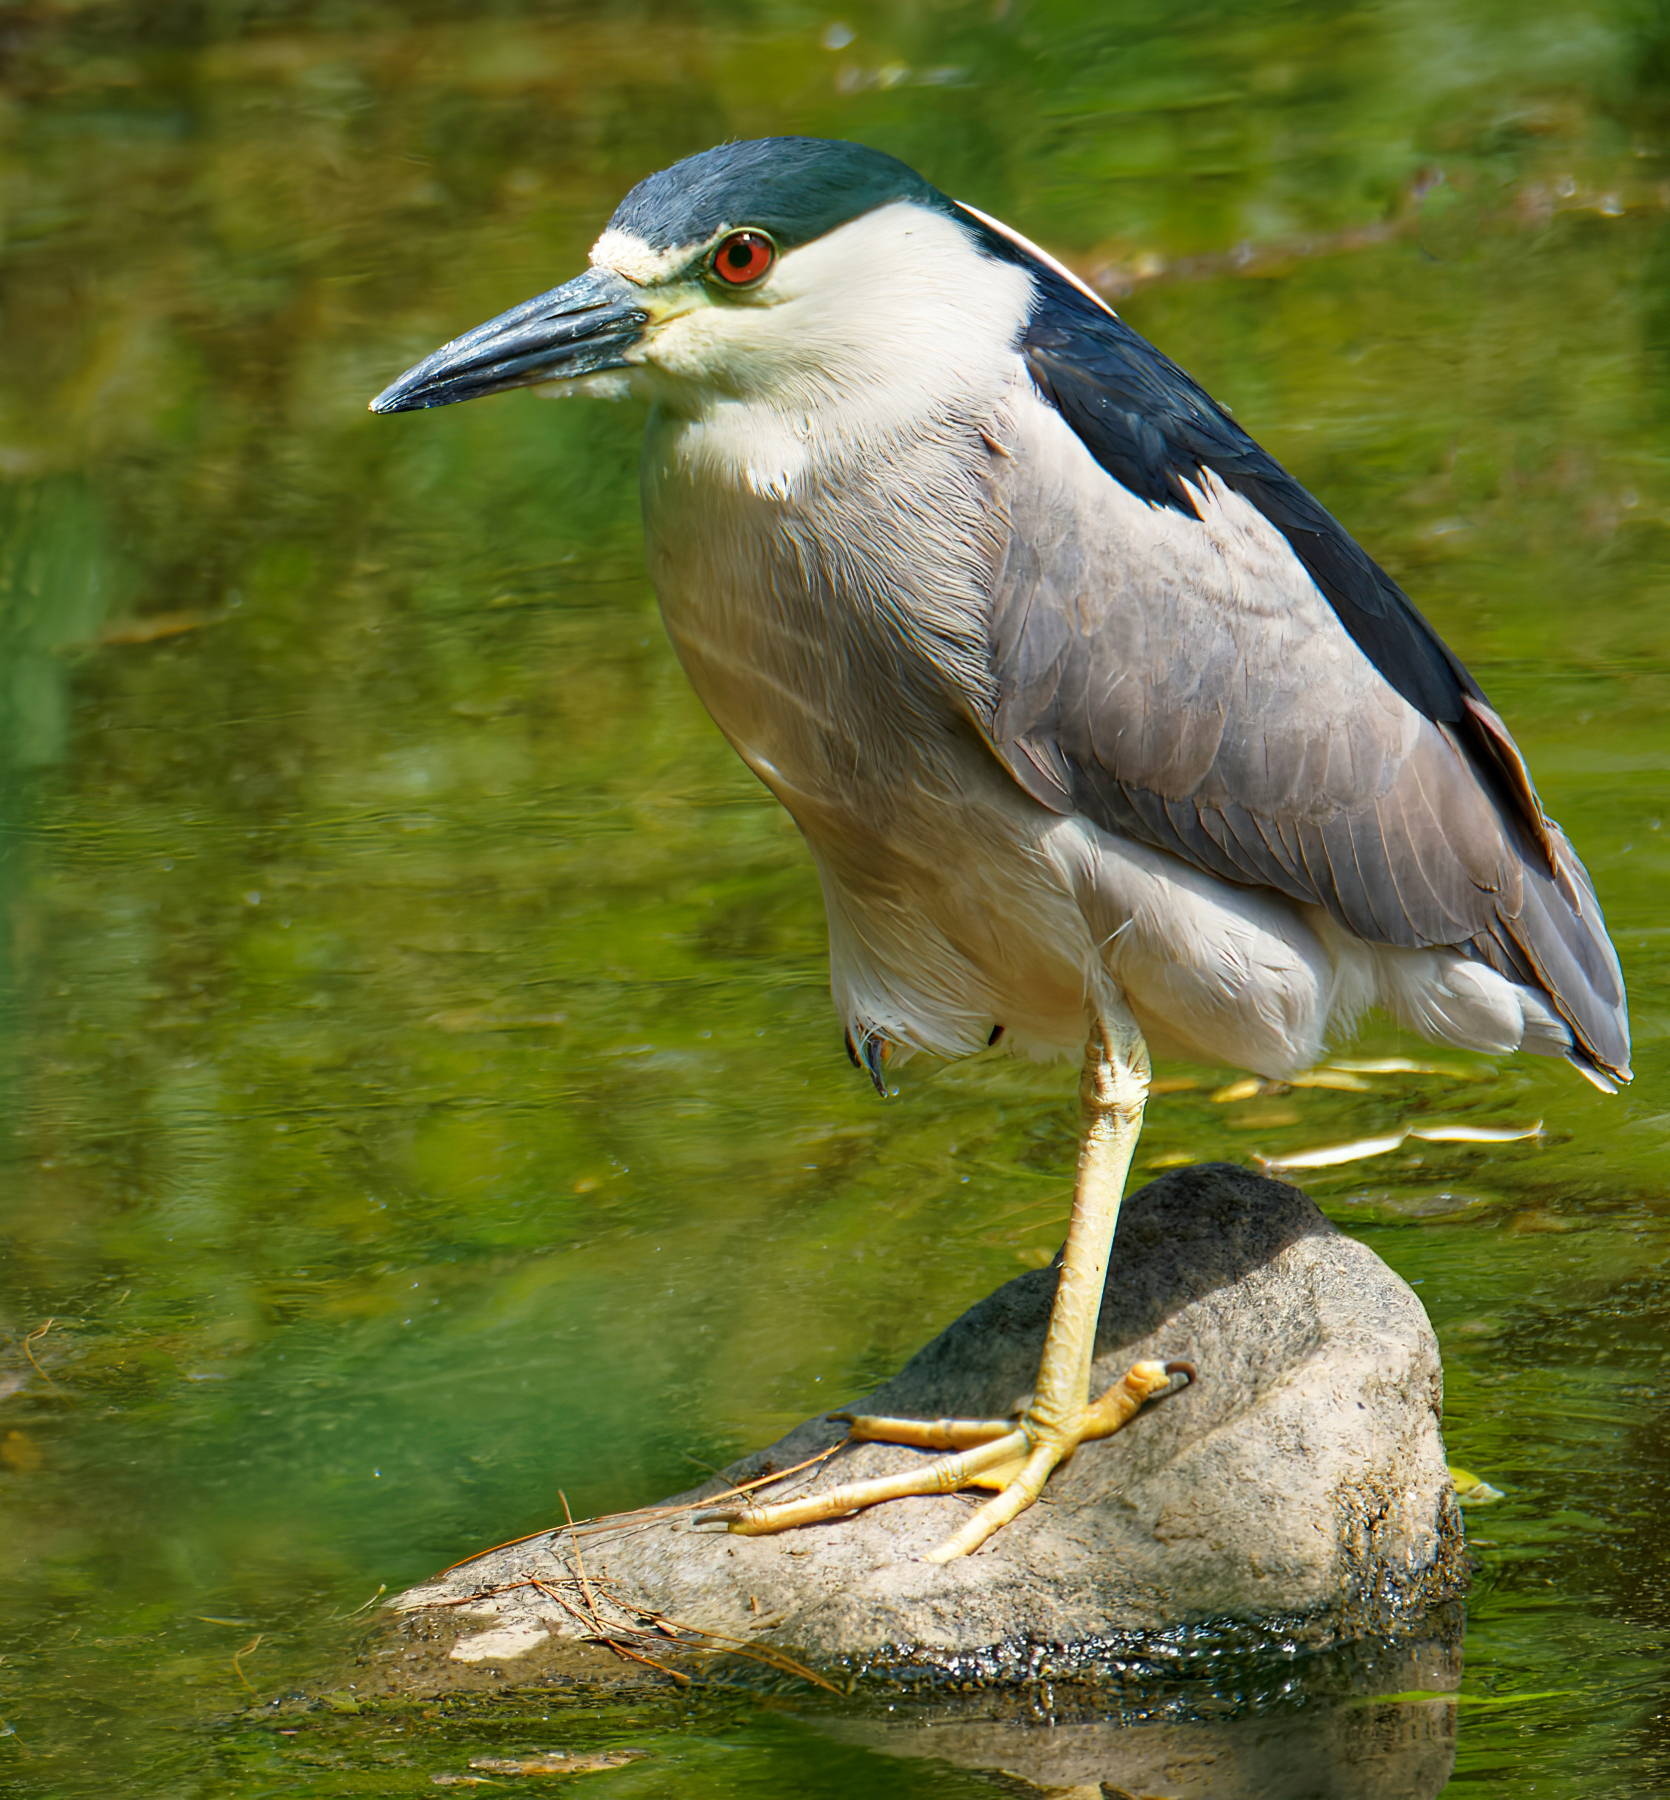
x: 1557, y: 942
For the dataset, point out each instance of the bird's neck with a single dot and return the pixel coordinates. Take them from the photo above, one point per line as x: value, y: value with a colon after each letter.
x: 790, y: 447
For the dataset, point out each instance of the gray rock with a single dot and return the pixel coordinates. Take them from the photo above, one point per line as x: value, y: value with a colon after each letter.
x: 1296, y: 1494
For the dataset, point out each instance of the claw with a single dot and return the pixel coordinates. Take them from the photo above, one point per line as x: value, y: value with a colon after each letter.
x: 944, y: 1475
x: 1014, y: 1456
x: 869, y: 1052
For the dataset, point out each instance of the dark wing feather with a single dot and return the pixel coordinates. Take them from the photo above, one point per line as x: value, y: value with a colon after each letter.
x: 1256, y: 745
x: 1152, y: 428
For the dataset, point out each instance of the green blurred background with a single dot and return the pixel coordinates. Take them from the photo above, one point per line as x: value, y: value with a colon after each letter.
x: 418, y: 1087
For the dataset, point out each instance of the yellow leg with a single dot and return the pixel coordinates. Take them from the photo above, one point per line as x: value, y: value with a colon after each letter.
x: 1017, y: 1456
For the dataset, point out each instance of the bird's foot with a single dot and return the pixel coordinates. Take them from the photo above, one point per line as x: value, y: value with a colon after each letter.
x: 1014, y: 1456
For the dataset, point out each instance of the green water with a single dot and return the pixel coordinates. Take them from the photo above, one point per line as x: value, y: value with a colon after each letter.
x: 418, y: 1087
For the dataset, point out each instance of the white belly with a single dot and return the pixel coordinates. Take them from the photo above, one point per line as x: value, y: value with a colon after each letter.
x: 956, y: 902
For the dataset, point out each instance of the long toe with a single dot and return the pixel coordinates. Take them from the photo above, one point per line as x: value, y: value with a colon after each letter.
x: 1052, y: 1446
x: 988, y: 1464
x: 1127, y: 1397
x: 925, y: 1434
x: 1014, y: 1457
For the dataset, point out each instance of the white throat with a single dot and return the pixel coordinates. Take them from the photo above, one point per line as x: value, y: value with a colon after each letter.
x: 891, y: 328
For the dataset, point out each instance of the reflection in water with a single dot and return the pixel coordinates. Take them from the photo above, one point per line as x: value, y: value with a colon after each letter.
x: 1401, y: 1750
x: 1368, y: 1721
x: 419, y: 1085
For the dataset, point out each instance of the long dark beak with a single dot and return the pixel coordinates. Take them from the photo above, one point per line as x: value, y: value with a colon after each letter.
x: 582, y: 327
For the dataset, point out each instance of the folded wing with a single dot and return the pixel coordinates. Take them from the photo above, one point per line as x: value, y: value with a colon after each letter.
x: 1190, y: 651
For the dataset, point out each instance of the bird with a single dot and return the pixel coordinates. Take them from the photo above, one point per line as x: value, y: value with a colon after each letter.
x: 1103, y: 735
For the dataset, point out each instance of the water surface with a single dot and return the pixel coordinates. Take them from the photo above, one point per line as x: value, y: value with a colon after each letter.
x: 420, y: 1090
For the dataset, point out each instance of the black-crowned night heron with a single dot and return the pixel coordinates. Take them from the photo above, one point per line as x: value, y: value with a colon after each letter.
x: 1088, y: 712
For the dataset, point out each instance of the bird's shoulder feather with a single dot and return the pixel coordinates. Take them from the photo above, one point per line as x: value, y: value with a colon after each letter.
x: 1156, y: 431
x: 1188, y: 650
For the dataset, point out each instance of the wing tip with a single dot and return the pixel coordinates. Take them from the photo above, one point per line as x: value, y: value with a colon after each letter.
x: 1607, y: 1077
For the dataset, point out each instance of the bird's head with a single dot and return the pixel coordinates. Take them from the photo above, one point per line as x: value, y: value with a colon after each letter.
x: 783, y: 271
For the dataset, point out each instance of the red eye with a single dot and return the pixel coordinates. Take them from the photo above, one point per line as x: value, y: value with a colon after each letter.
x: 743, y: 257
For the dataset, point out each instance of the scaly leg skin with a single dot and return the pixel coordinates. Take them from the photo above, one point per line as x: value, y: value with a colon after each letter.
x: 1017, y: 1456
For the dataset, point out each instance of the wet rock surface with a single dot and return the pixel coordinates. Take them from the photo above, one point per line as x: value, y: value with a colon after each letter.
x: 1369, y: 1720
x: 1296, y: 1495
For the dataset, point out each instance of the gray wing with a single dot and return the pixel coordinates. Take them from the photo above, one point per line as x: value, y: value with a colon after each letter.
x: 1174, y: 672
